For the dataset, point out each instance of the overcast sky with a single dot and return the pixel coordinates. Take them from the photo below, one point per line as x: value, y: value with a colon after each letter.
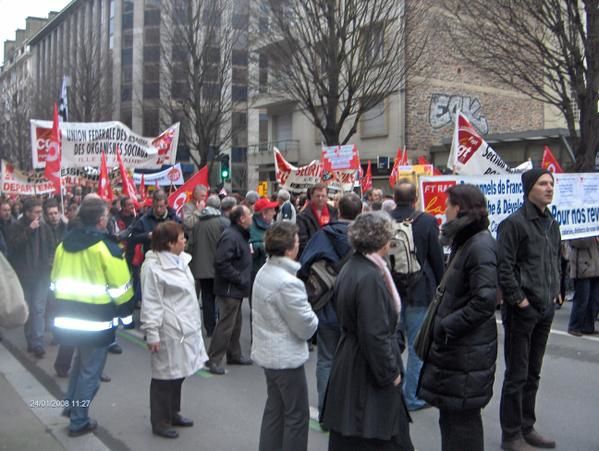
x: 14, y: 12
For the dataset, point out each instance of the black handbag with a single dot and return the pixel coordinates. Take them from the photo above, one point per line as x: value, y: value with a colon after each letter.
x: 424, y: 338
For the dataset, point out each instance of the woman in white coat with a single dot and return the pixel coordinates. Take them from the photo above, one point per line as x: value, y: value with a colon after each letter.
x: 282, y: 322
x: 171, y: 321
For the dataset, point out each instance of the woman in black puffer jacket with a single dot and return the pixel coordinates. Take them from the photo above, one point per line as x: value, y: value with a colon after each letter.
x: 458, y: 374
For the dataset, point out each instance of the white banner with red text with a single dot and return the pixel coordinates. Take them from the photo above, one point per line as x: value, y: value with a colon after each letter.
x: 168, y: 177
x: 575, y: 201
x: 83, y: 143
x: 16, y: 182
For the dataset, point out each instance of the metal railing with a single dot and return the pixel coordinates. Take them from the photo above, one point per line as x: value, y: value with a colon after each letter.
x: 286, y: 145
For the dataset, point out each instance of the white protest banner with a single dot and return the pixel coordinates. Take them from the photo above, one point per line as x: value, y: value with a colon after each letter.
x: 340, y: 180
x: 296, y: 179
x: 575, y: 202
x: 18, y: 182
x: 168, y: 177
x: 83, y: 143
x: 471, y: 155
x: 339, y: 166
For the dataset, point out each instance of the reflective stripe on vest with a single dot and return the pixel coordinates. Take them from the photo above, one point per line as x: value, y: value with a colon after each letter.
x: 82, y: 324
x: 75, y: 287
x: 127, y: 320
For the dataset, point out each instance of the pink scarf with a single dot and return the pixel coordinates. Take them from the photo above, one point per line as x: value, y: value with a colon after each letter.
x: 382, y: 265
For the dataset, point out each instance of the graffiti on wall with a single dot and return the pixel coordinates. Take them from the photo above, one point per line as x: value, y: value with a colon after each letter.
x: 444, y: 108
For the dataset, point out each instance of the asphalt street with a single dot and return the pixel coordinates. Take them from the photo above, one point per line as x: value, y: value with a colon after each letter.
x: 227, y: 409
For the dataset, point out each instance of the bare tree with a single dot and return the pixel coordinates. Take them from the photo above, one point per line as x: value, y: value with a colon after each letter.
x: 339, y: 58
x: 90, y: 73
x: 196, y: 52
x: 547, y: 49
x: 15, y: 112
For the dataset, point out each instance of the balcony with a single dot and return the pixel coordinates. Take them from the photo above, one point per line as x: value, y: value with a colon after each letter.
x: 262, y: 153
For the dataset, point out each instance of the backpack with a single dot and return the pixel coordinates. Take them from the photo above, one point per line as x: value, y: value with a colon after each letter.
x: 321, y: 281
x: 405, y: 267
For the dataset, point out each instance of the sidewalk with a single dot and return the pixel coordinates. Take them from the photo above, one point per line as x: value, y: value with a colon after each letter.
x: 26, y: 427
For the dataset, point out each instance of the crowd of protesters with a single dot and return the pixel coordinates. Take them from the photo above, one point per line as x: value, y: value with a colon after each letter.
x: 85, y: 269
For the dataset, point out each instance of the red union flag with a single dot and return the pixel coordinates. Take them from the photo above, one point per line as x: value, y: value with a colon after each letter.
x: 104, y: 188
x: 550, y: 162
x: 52, y: 169
x: 366, y: 181
x: 399, y: 158
x: 179, y: 197
x: 127, y: 183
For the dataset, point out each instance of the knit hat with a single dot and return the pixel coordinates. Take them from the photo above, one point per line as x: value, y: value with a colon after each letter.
x: 530, y: 177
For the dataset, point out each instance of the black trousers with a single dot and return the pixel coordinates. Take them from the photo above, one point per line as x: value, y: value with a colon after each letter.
x: 206, y: 287
x: 338, y: 442
x: 461, y: 430
x: 287, y: 411
x: 225, y: 338
x: 165, y: 400
x: 526, y: 334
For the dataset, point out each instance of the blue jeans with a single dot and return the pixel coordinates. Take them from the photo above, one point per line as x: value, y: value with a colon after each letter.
x: 412, y: 318
x: 585, y: 305
x: 36, y: 295
x: 84, y: 383
x: 327, y: 338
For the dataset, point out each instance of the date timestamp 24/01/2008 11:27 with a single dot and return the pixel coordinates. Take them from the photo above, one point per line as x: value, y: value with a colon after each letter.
x: 58, y: 403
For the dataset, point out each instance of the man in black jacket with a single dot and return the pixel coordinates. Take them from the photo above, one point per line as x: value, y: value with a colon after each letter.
x: 233, y: 267
x: 529, y: 277
x: 416, y: 299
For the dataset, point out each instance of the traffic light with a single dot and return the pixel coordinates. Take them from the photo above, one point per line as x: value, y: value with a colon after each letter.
x: 225, y: 170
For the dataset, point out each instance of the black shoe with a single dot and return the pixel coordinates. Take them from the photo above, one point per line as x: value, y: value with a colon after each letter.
x: 576, y: 333
x: 105, y: 378
x: 535, y: 439
x: 89, y: 427
x: 180, y: 420
x: 214, y: 369
x: 164, y: 431
x: 115, y: 349
x: 38, y: 352
x: 62, y: 373
x: 240, y: 361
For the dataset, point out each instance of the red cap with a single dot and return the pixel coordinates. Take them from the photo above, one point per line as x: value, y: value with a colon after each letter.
x: 263, y: 203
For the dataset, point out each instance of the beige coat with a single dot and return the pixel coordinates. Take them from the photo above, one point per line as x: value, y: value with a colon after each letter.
x: 584, y: 258
x: 170, y: 314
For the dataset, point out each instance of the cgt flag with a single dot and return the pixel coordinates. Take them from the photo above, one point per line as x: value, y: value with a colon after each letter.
x: 550, y: 162
x: 399, y: 158
x: 179, y: 197
x: 366, y: 181
x: 104, y: 188
x: 127, y: 183
x: 52, y: 169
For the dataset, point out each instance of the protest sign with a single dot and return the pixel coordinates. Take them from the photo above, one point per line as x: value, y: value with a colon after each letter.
x: 83, y: 143
x: 168, y: 177
x: 471, y: 155
x: 575, y: 202
x: 18, y: 182
x: 294, y: 179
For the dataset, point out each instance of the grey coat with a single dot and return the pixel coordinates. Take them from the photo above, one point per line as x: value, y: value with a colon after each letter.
x: 202, y: 242
x: 584, y: 258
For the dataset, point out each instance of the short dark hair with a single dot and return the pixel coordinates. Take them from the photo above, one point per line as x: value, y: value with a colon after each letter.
x: 91, y: 211
x: 471, y: 200
x: 158, y: 195
x: 316, y: 187
x: 236, y: 213
x: 165, y: 233
x: 280, y: 238
x: 350, y: 206
x: 50, y: 203
x: 30, y: 203
x: 405, y: 192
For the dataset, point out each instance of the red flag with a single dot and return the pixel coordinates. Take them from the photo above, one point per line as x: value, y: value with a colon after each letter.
x: 422, y: 160
x: 52, y: 170
x: 142, y: 189
x: 366, y: 181
x: 404, y: 157
x: 104, y: 188
x: 179, y: 197
x: 550, y: 162
x: 127, y: 183
x: 396, y: 163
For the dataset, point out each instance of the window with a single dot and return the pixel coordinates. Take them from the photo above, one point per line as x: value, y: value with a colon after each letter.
x: 128, y: 20
x: 213, y: 55
x: 151, y: 72
x: 127, y: 57
x: 374, y: 122
x: 127, y: 39
x: 211, y: 91
x: 126, y: 93
x: 151, y: 90
x: 239, y: 129
x: 240, y: 58
x: 127, y: 76
x: 239, y: 93
x: 150, y: 121
x: 240, y: 21
x: 126, y: 117
x: 151, y: 54
x: 151, y: 36
x: 238, y: 154
x: 374, y: 43
x: 151, y: 17
x: 179, y: 90
x: 240, y: 75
